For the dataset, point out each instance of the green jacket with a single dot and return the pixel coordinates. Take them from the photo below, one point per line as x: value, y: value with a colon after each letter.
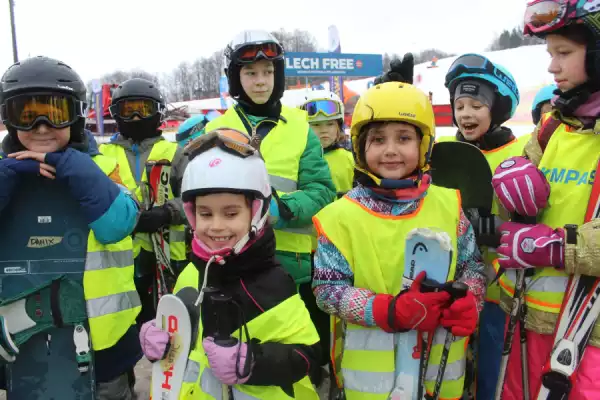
x: 315, y: 191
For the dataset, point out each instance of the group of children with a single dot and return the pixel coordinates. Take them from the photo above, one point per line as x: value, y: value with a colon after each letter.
x: 229, y: 187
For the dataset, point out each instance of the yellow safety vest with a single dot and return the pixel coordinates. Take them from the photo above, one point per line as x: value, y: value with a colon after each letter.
x: 341, y: 165
x: 112, y: 301
x: 494, y: 158
x: 162, y: 150
x: 569, y: 163
x: 288, y: 323
x: 282, y: 149
x: 373, y: 245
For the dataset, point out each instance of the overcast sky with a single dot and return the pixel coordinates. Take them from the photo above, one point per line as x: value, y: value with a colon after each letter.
x: 97, y: 37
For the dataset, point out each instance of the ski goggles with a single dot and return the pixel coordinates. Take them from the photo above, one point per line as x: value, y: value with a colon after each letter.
x: 544, y: 15
x: 24, y: 112
x: 327, y: 108
x: 230, y: 140
x: 477, y: 64
x: 252, y: 52
x: 127, y: 109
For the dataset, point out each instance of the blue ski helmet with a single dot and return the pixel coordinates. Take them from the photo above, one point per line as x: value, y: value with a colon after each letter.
x: 193, y: 127
x: 478, y: 67
x: 543, y: 96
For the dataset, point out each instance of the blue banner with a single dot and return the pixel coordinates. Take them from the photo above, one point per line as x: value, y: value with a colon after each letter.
x: 333, y: 64
x: 223, y: 91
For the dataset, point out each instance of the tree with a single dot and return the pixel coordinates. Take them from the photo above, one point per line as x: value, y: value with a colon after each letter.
x: 510, y: 39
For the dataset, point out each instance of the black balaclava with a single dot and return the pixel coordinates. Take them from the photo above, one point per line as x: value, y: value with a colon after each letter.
x: 138, y: 130
x: 272, y: 108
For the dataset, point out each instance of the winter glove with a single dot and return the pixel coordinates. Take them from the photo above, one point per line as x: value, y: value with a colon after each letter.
x: 521, y: 187
x: 155, y: 342
x: 530, y: 246
x: 27, y: 166
x: 152, y: 220
x: 223, y: 361
x: 461, y: 317
x: 400, y: 71
x: 411, y: 309
x: 8, y: 348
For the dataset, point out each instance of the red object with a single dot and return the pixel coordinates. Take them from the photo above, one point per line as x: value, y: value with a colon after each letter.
x: 443, y: 115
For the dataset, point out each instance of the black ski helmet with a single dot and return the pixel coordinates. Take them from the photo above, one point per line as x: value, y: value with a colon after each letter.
x: 44, y: 74
x: 247, y: 38
x: 138, y: 88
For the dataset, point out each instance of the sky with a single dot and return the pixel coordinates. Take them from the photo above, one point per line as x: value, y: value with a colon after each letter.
x: 100, y: 36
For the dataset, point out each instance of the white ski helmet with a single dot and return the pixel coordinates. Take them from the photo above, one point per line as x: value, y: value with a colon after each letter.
x: 216, y: 170
x: 323, y: 105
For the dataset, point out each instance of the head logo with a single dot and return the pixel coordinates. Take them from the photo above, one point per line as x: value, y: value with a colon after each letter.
x: 409, y: 115
x: 214, y: 162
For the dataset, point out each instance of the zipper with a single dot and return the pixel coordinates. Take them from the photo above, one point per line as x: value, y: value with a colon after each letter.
x: 138, y: 175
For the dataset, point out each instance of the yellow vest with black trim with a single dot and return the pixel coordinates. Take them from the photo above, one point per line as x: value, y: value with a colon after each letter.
x: 494, y: 158
x: 162, y: 150
x: 568, y: 163
x: 374, y: 246
x: 282, y: 149
x: 286, y: 323
x: 112, y: 301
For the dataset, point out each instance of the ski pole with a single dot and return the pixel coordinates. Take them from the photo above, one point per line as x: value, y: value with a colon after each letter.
x: 223, y: 330
x: 457, y: 290
x: 510, y: 332
x: 524, y: 367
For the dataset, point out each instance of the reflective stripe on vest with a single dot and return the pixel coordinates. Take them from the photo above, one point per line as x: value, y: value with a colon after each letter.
x: 162, y: 150
x: 289, y: 321
x: 282, y: 149
x: 368, y: 360
x: 112, y: 301
x: 569, y: 163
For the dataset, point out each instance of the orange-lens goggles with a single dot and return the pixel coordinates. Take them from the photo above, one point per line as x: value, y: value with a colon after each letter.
x: 23, y: 112
x: 543, y: 15
x: 129, y: 108
x: 251, y: 53
x: 230, y: 140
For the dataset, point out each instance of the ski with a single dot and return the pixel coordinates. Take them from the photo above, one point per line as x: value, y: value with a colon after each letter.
x: 159, y: 174
x: 177, y: 315
x: 578, y: 315
x: 425, y: 248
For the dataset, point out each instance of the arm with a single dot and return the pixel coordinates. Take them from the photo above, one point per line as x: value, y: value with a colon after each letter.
x: 315, y: 187
x: 8, y: 182
x: 533, y: 151
x: 470, y: 268
x: 278, y: 364
x: 333, y: 286
x: 110, y: 210
x: 582, y: 257
x: 175, y: 205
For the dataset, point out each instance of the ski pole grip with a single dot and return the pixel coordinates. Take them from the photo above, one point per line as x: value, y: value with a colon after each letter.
x: 458, y: 290
x: 221, y: 304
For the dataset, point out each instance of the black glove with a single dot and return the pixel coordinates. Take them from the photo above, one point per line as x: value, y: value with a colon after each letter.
x: 152, y: 220
x: 400, y: 71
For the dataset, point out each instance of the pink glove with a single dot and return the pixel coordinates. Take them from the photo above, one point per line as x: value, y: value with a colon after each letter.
x: 530, y: 246
x: 521, y: 187
x: 223, y: 360
x: 155, y: 342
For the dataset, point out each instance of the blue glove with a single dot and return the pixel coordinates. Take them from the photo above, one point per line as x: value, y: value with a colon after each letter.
x: 53, y: 158
x: 274, y: 217
x: 28, y: 166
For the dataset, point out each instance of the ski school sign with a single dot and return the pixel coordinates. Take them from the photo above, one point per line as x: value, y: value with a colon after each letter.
x: 333, y: 64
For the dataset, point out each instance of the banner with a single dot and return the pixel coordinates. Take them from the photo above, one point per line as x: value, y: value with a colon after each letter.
x: 223, y: 91
x: 97, y: 90
x: 332, y: 64
x: 336, y: 83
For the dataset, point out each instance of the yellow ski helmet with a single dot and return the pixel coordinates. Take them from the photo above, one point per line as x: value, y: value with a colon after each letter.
x: 394, y: 102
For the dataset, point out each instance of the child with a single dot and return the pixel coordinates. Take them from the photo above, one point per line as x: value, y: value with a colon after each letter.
x: 42, y: 102
x: 557, y: 177
x: 326, y: 118
x: 542, y: 103
x: 484, y: 96
x: 226, y: 194
x: 359, y: 261
x: 138, y: 108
